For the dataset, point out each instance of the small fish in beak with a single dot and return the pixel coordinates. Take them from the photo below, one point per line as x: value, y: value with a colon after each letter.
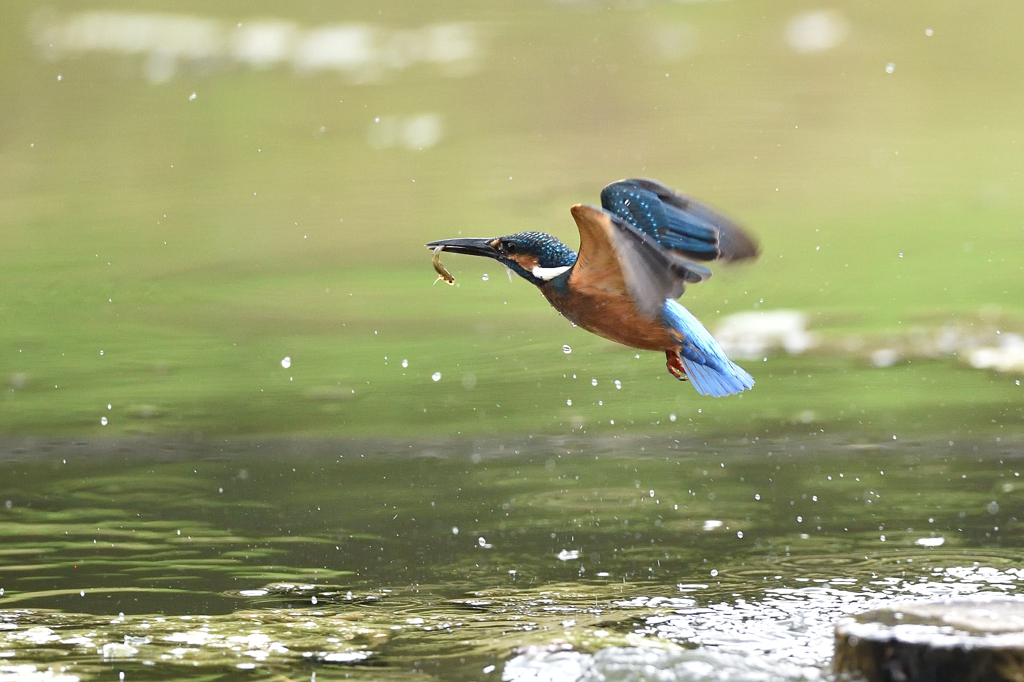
x: 441, y: 270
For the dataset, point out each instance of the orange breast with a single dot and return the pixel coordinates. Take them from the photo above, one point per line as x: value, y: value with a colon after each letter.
x: 613, y: 316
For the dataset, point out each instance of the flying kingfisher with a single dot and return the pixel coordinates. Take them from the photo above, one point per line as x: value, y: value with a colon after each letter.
x: 636, y: 255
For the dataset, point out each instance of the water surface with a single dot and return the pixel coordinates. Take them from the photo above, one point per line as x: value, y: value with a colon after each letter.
x: 488, y: 559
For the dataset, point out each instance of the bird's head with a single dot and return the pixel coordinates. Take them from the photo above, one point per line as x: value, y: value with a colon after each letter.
x: 534, y: 256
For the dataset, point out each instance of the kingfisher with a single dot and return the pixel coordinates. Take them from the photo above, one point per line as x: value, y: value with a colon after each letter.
x: 637, y: 253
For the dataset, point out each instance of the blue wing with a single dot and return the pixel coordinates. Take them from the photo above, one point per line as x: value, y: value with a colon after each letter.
x: 678, y: 223
x: 615, y: 256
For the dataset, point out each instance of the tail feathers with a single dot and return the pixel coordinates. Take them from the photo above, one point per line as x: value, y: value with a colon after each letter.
x: 710, y: 371
x: 717, y: 381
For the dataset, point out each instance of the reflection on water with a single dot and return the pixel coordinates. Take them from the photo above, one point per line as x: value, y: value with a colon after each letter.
x: 602, y: 559
x: 816, y: 31
x: 413, y: 132
x: 169, y: 41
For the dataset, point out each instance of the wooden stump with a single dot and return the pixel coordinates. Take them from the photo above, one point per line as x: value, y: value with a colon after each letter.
x: 943, y: 641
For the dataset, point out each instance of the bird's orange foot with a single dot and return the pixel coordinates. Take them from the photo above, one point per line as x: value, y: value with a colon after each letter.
x: 675, y: 367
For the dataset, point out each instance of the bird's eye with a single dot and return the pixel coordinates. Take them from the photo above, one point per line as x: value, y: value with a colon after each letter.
x: 510, y: 247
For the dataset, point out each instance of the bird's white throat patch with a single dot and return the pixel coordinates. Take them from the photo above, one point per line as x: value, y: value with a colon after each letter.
x: 548, y: 274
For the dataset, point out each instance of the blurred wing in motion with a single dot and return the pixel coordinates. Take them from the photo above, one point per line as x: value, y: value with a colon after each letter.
x: 618, y: 258
x: 677, y: 222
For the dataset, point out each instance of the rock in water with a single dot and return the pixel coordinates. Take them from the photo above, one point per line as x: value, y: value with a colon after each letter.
x: 942, y: 641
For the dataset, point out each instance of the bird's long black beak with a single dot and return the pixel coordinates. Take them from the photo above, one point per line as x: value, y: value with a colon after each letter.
x: 471, y: 246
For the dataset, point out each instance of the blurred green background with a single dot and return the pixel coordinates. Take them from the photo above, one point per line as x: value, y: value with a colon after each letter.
x: 192, y: 192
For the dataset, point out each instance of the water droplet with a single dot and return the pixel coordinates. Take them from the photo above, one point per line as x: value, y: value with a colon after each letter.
x: 485, y: 277
x: 568, y: 402
x: 672, y: 417
x: 618, y: 384
x: 109, y: 406
x: 286, y: 362
x: 455, y: 530
x: 101, y: 352
x: 593, y: 382
x: 312, y: 599
x: 714, y: 572
x: 929, y: 32
x: 890, y: 67
x: 566, y: 349
x: 993, y: 507
x: 103, y: 421
x: 192, y: 97
x: 405, y: 363
x: 739, y: 534
x: 651, y: 493
x: 482, y: 541
x: 757, y: 496
x: 436, y: 376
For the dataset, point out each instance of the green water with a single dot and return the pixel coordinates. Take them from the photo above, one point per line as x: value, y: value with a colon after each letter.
x: 413, y: 560
x: 228, y: 387
x: 197, y: 242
